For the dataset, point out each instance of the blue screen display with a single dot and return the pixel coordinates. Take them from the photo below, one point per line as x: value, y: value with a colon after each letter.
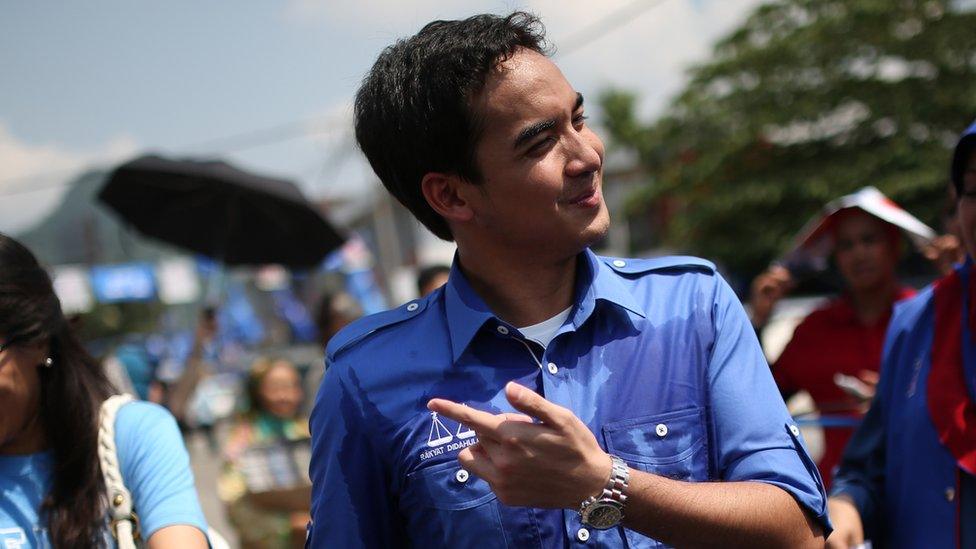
x: 128, y: 282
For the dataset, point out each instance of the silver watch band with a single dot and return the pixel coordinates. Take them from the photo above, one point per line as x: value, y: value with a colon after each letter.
x: 616, y: 485
x: 619, y: 478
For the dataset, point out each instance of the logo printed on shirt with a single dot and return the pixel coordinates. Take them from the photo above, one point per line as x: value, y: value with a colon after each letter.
x: 441, y: 439
x: 13, y: 538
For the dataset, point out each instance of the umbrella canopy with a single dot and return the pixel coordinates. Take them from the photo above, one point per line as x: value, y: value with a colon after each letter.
x: 223, y: 212
x: 814, y: 242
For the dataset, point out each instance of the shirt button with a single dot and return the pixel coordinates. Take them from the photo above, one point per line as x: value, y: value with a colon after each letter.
x: 950, y: 494
x: 461, y: 476
x: 795, y: 430
x: 413, y: 307
x: 503, y: 330
x: 661, y: 430
x: 553, y: 368
x: 583, y: 534
x: 619, y: 263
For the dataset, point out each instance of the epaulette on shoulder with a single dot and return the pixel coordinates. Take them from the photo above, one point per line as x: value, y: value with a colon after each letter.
x: 627, y: 266
x: 362, y: 328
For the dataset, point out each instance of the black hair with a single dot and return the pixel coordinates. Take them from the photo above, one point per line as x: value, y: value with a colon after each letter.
x: 430, y: 273
x: 414, y: 112
x: 960, y: 156
x: 72, y: 391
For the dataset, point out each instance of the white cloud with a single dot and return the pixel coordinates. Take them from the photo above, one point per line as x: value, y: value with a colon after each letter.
x: 372, y: 14
x: 33, y: 177
x: 649, y: 53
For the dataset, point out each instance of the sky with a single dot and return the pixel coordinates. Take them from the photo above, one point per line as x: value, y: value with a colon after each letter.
x: 269, y: 85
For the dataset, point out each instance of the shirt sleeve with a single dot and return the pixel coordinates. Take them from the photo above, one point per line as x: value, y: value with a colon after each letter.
x: 352, y: 505
x: 156, y: 468
x: 753, y: 436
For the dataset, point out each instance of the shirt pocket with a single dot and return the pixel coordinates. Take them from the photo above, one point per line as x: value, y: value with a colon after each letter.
x: 445, y: 506
x: 671, y: 444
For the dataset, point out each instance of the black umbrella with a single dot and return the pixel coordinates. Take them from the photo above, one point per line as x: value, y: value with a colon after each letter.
x: 213, y: 208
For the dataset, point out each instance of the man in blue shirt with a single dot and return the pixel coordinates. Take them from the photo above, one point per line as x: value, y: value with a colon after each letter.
x: 545, y: 396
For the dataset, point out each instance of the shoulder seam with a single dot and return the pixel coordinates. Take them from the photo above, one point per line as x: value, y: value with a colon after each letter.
x: 626, y: 266
x: 361, y: 330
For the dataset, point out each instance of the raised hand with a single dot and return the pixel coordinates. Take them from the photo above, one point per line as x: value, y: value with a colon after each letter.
x: 554, y: 462
x: 767, y: 289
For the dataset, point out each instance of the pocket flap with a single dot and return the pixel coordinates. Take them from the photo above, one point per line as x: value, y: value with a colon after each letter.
x: 659, y: 439
x: 445, y: 486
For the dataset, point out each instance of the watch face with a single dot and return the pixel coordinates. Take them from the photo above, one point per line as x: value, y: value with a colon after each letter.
x: 603, y: 515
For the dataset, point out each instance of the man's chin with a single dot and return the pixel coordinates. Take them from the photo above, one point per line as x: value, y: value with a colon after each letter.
x: 596, y: 231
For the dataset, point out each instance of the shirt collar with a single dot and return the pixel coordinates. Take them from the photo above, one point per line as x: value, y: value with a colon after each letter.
x: 597, y: 281
x: 467, y: 313
x: 465, y: 310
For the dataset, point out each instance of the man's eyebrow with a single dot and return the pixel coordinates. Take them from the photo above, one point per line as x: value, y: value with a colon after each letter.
x: 535, y: 129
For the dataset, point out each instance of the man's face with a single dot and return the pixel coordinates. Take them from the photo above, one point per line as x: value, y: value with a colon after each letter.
x: 541, y: 165
x: 865, y: 254
x: 967, y: 205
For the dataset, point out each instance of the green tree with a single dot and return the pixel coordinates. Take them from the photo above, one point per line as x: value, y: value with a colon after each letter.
x: 807, y: 101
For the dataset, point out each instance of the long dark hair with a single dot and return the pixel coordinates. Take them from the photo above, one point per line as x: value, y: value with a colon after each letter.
x: 71, y: 392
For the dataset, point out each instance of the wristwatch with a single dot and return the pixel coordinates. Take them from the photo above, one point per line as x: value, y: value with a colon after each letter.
x: 607, y: 509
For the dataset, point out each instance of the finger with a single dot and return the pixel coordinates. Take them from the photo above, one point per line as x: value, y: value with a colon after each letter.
x: 520, y: 418
x: 869, y: 376
x: 482, y: 422
x: 781, y: 273
x: 532, y: 404
x: 525, y: 439
x: 489, y: 447
x: 474, y: 460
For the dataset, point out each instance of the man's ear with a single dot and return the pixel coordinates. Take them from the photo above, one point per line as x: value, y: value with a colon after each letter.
x: 444, y: 194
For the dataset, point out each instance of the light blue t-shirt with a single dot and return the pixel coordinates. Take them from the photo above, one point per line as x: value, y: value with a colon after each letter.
x: 155, y: 468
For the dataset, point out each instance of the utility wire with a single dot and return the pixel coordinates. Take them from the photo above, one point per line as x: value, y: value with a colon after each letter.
x: 268, y: 136
x: 224, y: 145
x: 599, y: 29
x: 308, y: 127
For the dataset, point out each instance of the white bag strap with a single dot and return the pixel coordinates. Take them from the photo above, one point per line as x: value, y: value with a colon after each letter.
x: 125, y: 524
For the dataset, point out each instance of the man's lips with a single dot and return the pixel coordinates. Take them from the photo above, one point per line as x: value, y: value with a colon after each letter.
x: 584, y: 196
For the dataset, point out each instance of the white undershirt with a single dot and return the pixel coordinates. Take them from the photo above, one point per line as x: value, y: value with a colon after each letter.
x: 543, y: 332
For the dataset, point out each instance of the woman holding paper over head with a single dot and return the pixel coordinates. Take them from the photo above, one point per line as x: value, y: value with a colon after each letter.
x: 835, y: 352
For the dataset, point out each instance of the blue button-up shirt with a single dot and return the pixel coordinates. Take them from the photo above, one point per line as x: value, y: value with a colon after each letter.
x: 657, y: 358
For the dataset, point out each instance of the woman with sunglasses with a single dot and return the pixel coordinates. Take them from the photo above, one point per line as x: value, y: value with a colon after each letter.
x: 51, y: 391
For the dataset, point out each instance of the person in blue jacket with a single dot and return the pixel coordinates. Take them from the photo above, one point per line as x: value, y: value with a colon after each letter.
x: 907, y: 475
x: 545, y: 396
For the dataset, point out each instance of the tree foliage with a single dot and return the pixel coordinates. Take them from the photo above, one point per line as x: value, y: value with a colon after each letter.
x: 808, y: 100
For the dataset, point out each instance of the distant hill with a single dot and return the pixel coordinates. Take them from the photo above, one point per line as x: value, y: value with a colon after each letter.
x: 82, y: 230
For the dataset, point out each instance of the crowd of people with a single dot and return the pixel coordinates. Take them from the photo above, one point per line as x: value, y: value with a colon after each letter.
x: 535, y: 394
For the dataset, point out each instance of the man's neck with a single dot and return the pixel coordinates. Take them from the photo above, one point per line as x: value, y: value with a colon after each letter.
x: 521, y: 292
x: 871, y: 304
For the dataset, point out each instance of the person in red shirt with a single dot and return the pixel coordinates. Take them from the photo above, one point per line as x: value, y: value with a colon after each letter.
x: 844, y: 336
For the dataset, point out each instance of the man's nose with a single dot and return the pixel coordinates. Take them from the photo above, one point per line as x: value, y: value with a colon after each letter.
x: 584, y: 156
